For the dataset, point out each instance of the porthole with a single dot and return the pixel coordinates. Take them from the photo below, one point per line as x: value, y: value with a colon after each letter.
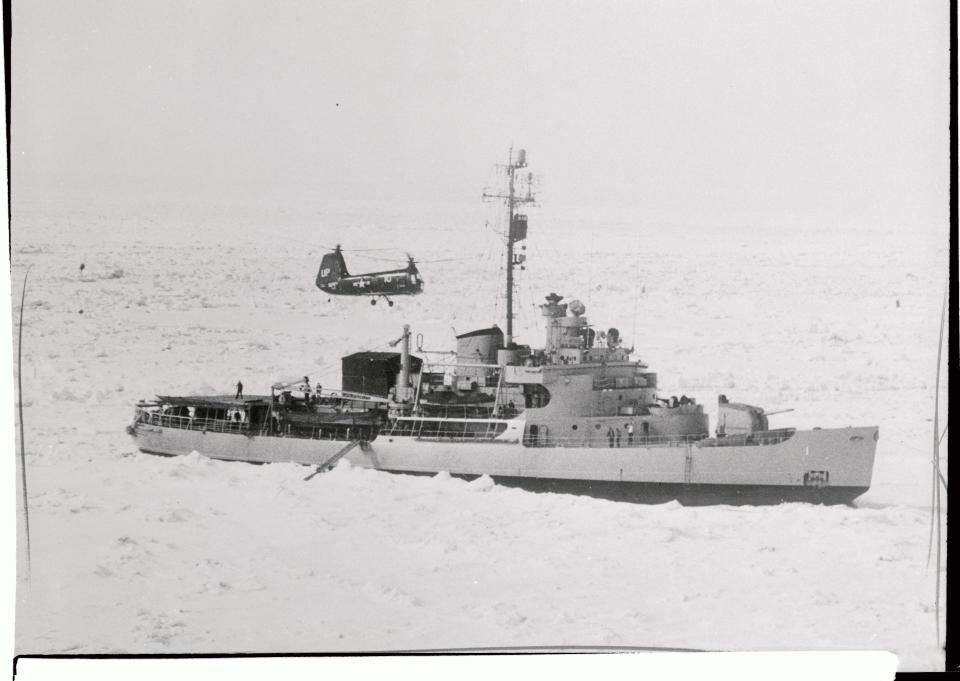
x: 597, y: 426
x: 574, y: 426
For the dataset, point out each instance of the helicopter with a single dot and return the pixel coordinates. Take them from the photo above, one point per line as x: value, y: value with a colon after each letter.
x: 335, y: 279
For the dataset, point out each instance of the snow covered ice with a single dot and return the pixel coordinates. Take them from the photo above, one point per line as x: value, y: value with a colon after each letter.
x: 133, y: 553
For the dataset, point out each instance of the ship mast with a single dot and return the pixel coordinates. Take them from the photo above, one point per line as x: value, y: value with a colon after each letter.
x: 516, y: 229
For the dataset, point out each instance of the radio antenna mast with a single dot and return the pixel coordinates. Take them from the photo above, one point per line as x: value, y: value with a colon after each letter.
x: 516, y: 229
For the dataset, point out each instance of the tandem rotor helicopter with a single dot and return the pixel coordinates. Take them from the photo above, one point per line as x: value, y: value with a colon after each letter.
x: 335, y: 279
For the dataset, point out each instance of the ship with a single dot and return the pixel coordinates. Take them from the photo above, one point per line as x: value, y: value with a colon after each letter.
x: 578, y: 415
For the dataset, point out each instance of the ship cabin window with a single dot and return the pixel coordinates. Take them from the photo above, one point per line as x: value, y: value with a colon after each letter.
x: 573, y: 427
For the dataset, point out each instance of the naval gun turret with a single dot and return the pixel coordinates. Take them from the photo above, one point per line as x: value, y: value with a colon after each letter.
x: 735, y: 418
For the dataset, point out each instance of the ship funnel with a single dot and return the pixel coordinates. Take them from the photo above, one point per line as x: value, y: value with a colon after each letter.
x: 479, y: 346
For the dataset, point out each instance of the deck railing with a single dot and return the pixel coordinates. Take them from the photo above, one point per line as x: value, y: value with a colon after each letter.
x: 766, y: 437
x: 329, y: 432
x: 187, y: 423
x: 604, y: 442
x: 760, y: 437
x: 479, y: 411
x: 464, y: 438
x: 609, y: 382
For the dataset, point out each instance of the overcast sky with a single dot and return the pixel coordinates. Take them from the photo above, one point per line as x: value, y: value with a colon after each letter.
x: 701, y: 109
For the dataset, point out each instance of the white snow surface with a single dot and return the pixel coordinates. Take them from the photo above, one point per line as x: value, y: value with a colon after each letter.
x: 133, y: 553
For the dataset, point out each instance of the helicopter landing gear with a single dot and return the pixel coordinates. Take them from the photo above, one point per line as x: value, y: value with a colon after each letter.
x: 373, y: 301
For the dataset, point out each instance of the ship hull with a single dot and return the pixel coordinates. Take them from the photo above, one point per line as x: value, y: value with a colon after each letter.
x: 235, y: 446
x: 820, y: 466
x: 829, y: 466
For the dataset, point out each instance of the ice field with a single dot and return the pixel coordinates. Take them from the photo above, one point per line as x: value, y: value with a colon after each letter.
x: 133, y: 553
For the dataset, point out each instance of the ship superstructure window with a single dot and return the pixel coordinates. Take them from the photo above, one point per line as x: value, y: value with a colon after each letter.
x: 210, y: 413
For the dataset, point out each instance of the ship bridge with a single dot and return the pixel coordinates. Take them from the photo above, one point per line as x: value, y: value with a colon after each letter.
x: 571, y: 340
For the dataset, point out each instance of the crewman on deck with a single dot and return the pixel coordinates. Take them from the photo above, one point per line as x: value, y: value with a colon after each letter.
x: 618, y: 437
x: 629, y: 427
x: 610, y: 435
x: 239, y: 391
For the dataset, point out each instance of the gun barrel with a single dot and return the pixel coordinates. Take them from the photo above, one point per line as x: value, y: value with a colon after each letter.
x: 779, y: 411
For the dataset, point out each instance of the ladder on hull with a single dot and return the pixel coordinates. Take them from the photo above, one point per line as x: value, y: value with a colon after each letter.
x: 329, y: 463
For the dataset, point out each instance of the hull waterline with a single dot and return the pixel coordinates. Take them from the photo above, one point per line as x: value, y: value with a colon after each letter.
x: 685, y: 494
